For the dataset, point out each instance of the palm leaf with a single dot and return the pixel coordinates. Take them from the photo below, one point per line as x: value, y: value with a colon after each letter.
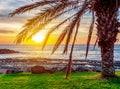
x: 60, y: 39
x: 77, y: 28
x: 49, y: 16
x: 70, y: 29
x: 34, y: 25
x: 71, y: 52
x: 95, y: 43
x: 54, y: 28
x: 32, y: 6
x: 72, y: 25
x: 90, y: 34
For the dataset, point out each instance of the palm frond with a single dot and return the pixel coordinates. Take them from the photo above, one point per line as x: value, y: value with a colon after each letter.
x: 72, y: 25
x: 32, y: 6
x: 90, y: 34
x: 95, y: 43
x: 60, y: 39
x: 48, y: 13
x: 21, y: 36
x: 71, y: 52
x: 70, y: 29
x: 77, y: 28
x: 37, y: 23
x: 54, y: 28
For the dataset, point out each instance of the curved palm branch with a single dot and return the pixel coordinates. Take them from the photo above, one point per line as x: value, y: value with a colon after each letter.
x: 43, y: 18
x: 32, y: 6
x: 71, y: 51
x: 72, y: 25
x: 90, y: 33
x: 55, y: 28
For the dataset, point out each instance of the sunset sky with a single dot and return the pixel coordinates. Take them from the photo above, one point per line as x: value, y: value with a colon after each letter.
x: 10, y: 27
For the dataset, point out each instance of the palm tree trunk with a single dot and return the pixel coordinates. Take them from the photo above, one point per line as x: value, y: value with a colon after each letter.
x: 107, y: 30
x: 107, y: 61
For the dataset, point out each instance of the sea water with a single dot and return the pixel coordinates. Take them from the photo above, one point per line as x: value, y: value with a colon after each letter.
x: 30, y: 51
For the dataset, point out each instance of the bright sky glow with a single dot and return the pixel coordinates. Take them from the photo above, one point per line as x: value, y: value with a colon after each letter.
x: 39, y: 37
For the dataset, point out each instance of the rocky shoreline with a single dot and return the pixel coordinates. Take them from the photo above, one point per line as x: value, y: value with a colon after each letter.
x: 44, y: 65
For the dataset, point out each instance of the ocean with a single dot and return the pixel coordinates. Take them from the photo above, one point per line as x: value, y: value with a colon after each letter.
x: 28, y: 51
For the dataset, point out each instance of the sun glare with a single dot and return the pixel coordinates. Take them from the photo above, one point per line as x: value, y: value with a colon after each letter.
x: 39, y: 37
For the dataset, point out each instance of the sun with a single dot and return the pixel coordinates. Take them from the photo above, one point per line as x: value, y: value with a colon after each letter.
x: 39, y: 37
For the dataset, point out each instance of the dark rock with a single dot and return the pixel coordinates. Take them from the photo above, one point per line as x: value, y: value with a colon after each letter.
x: 117, y: 67
x: 40, y: 70
x: 12, y: 70
x: 97, y: 69
x: 9, y: 72
x: 65, y: 68
x: 26, y: 69
x: 54, y: 70
x: 88, y: 68
x: 3, y: 71
x: 84, y: 68
x: 7, y: 51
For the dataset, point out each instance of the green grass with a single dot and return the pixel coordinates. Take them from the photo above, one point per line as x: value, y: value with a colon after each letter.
x: 78, y: 80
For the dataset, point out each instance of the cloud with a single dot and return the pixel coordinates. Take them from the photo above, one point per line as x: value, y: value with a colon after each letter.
x: 7, y: 5
x: 16, y: 19
x: 6, y: 31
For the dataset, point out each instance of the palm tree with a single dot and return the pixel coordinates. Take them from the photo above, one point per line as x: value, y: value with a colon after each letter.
x: 105, y: 11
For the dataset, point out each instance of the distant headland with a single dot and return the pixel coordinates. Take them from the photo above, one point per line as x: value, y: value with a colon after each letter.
x: 7, y: 51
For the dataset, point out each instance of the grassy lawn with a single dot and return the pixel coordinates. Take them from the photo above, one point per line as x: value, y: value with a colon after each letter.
x: 78, y: 80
